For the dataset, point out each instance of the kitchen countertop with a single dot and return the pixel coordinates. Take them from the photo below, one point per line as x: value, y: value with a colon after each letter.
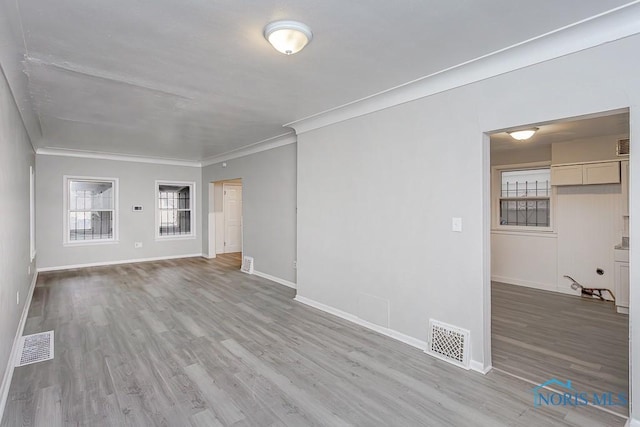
x: 624, y: 245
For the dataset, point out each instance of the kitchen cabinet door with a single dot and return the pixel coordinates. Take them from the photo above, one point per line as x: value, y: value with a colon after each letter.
x: 566, y: 175
x: 624, y: 175
x: 601, y: 173
x: 622, y: 286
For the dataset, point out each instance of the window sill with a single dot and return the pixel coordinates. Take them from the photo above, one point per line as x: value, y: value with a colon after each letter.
x: 90, y: 243
x: 548, y: 233
x: 187, y: 237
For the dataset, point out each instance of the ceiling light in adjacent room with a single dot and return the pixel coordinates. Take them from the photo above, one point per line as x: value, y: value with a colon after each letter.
x: 288, y: 37
x: 524, y: 134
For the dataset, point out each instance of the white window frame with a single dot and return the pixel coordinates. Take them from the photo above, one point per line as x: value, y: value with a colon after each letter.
x: 496, y: 183
x: 192, y: 200
x: 32, y: 213
x: 65, y: 206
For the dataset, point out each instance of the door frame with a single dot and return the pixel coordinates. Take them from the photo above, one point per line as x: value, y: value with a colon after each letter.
x: 634, y: 272
x: 226, y: 185
x: 214, y: 212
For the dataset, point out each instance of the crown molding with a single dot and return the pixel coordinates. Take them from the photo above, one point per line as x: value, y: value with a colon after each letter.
x: 265, y: 144
x: 606, y: 27
x: 118, y: 157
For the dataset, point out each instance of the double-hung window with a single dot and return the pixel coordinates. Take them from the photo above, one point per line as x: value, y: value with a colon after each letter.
x: 175, y: 210
x: 90, y: 210
x: 525, y: 198
x: 32, y: 213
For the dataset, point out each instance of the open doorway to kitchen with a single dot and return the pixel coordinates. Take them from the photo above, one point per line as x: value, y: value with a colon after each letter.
x: 560, y: 219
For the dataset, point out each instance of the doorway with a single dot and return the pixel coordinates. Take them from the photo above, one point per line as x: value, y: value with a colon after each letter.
x: 225, y: 217
x: 232, y: 208
x: 559, y: 207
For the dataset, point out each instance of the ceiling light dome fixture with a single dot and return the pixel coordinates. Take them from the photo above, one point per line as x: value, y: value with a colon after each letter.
x: 522, y: 135
x: 288, y: 37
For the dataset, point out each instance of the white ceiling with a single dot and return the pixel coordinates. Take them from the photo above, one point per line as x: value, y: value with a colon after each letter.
x: 194, y: 79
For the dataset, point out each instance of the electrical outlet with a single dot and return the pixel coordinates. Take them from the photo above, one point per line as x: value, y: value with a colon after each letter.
x: 295, y: 264
x: 18, y: 298
x: 137, y: 245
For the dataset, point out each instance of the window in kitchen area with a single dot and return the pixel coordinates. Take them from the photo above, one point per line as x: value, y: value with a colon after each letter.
x: 524, y: 198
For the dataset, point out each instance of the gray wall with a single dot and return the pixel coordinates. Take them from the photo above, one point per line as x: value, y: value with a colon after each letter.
x: 16, y: 155
x: 376, y: 194
x: 268, y: 207
x: 136, y: 186
x: 218, y: 210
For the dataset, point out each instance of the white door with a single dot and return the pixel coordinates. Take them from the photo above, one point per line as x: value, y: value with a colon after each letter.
x: 232, y: 218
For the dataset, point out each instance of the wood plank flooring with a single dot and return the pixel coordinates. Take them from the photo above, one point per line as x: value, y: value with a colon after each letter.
x: 539, y: 335
x: 195, y: 342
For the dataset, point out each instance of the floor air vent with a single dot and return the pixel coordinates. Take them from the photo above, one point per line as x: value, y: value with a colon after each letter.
x: 448, y: 343
x: 35, y: 348
x: 247, y: 264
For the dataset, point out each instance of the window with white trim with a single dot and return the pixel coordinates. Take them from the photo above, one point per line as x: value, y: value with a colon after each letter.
x: 32, y: 213
x: 525, y: 198
x: 175, y: 209
x: 90, y: 213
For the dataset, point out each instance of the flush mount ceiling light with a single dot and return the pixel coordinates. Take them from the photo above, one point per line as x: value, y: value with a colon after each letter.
x: 288, y: 37
x: 522, y: 135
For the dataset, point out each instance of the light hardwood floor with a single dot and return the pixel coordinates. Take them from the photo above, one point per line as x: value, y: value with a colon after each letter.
x: 539, y: 335
x: 195, y: 342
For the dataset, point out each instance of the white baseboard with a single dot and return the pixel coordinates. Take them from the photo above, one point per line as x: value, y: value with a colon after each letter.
x: 414, y: 342
x: 632, y: 422
x: 391, y: 333
x: 8, y: 373
x: 124, y: 261
x: 479, y: 367
x: 274, y: 279
x: 525, y: 283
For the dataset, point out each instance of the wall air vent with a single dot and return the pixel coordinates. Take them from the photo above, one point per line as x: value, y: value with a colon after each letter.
x: 622, y: 148
x: 247, y: 264
x: 448, y: 343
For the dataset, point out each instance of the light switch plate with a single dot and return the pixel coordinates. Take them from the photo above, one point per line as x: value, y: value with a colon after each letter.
x: 456, y: 224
